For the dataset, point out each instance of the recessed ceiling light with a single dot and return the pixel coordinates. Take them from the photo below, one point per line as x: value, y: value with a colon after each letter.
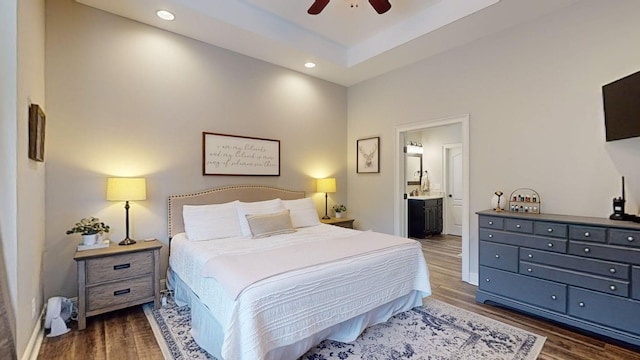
x: 165, y: 15
x: 309, y: 65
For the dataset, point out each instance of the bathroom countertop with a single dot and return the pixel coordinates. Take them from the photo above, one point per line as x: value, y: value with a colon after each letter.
x: 425, y: 197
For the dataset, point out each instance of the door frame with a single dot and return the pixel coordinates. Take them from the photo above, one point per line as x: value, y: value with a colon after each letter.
x: 399, y: 207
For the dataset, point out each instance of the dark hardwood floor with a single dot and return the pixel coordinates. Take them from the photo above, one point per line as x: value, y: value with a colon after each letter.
x: 126, y: 334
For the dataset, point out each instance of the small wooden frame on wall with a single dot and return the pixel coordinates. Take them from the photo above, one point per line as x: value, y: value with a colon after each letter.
x: 36, y: 132
x: 368, y: 155
x: 224, y: 154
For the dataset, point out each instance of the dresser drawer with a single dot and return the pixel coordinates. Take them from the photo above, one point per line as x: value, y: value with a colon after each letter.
x: 608, y: 310
x: 598, y: 267
x: 119, y: 267
x: 543, y: 293
x: 491, y: 222
x: 118, y: 293
x: 550, y: 229
x: 499, y: 256
x: 530, y: 241
x: 624, y: 237
x: 570, y: 277
x: 605, y: 252
x: 635, y: 282
x: 517, y: 225
x: 588, y: 233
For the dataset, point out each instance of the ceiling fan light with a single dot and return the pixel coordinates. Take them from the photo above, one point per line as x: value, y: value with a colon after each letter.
x: 165, y: 15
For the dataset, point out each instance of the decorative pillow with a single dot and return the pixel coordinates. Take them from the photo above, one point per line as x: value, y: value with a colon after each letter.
x: 265, y: 225
x: 215, y: 221
x: 303, y: 212
x: 256, y: 208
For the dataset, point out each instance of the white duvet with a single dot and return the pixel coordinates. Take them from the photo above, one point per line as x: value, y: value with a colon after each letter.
x: 286, y: 308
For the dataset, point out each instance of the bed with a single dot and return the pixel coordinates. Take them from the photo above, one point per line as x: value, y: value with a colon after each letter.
x: 277, y: 290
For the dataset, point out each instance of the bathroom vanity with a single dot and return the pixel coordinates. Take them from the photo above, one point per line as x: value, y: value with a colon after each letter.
x: 425, y: 215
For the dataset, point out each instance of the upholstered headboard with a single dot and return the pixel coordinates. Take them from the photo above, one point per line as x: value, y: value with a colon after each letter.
x: 246, y: 193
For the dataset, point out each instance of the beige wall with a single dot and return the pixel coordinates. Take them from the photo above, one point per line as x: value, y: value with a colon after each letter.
x: 127, y: 99
x: 31, y: 174
x: 8, y: 141
x: 22, y: 197
x: 534, y: 98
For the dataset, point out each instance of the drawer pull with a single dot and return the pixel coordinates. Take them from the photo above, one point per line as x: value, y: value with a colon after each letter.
x: 121, y: 292
x: 487, y: 280
x: 587, y: 234
x: 630, y: 238
x: 490, y: 222
x: 612, y: 270
x: 518, y: 226
x: 530, y: 256
x: 529, y: 270
x: 497, y: 256
x: 612, y: 287
x: 549, y: 230
x: 490, y: 236
x: 550, y: 245
x: 553, y: 297
x: 121, y: 266
x: 581, y: 304
x: 587, y: 250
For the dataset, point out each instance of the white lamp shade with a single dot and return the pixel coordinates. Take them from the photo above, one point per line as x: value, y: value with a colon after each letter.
x: 126, y: 189
x: 327, y: 185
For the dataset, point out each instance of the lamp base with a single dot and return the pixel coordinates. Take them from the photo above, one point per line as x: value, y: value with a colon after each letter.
x: 325, y: 217
x: 127, y: 241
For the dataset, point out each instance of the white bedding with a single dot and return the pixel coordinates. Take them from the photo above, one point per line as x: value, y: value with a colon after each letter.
x: 286, y: 308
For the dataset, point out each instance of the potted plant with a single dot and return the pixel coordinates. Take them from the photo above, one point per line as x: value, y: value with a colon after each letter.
x: 89, y: 228
x: 339, y: 210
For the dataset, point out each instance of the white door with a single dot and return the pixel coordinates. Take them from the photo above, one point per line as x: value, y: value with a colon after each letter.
x: 453, y: 196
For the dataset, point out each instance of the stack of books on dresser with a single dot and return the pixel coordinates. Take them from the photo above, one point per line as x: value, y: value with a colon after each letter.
x: 98, y: 245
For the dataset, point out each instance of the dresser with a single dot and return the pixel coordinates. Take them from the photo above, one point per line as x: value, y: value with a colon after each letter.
x: 580, y: 271
x: 117, y: 277
x: 425, y: 217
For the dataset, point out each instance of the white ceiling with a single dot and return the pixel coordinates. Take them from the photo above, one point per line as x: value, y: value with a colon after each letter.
x: 349, y: 45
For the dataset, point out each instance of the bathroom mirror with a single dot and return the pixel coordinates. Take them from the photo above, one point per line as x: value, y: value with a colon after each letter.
x: 413, y: 167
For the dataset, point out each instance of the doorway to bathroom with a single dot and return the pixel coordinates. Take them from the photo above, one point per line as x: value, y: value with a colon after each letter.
x: 445, y: 163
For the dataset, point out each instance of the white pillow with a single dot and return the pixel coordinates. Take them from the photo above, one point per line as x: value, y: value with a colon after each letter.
x: 265, y: 225
x: 215, y: 221
x: 256, y: 208
x: 303, y: 212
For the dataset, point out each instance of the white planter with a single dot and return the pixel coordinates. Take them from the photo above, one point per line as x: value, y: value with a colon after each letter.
x: 339, y: 214
x: 89, y: 239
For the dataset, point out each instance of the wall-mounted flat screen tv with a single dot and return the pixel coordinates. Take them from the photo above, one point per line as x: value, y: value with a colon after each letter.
x: 622, y: 108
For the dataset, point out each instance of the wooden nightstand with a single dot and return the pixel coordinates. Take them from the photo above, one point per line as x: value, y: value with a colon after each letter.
x: 342, y: 222
x: 117, y: 277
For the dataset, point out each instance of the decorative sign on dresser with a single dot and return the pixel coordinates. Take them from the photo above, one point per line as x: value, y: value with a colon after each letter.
x: 580, y: 271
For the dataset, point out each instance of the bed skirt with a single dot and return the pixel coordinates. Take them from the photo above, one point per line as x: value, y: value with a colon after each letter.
x: 209, y: 335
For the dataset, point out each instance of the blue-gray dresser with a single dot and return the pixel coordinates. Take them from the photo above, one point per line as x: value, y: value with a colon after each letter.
x: 580, y: 271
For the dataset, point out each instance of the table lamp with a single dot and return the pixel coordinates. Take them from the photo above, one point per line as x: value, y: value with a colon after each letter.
x: 327, y: 185
x: 126, y: 189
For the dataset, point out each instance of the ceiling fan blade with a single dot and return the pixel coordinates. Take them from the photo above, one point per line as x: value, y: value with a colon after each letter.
x: 381, y: 6
x: 317, y: 7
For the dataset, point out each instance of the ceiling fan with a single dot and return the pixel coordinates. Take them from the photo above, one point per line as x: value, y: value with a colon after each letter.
x: 381, y: 6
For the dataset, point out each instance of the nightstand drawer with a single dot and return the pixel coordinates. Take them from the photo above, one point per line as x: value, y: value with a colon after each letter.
x: 119, y: 267
x: 119, y: 293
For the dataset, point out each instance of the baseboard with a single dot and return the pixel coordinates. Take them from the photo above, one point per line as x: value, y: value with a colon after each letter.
x: 35, y: 341
x: 474, y: 278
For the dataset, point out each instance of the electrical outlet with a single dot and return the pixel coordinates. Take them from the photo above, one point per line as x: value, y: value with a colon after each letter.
x: 33, y: 308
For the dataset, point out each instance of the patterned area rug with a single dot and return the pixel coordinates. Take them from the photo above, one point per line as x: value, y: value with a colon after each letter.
x: 437, y: 331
